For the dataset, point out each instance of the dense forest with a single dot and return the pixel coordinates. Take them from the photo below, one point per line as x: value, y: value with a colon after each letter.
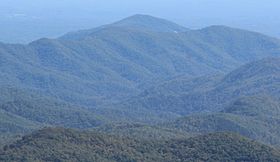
x: 58, y: 144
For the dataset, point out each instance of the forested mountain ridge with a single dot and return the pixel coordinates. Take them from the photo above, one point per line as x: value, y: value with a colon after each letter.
x: 57, y: 144
x: 182, y: 96
x: 141, y: 78
x: 23, y: 111
x: 116, y: 61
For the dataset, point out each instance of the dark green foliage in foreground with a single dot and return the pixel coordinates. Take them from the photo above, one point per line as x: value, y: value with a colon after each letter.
x: 70, y: 145
x: 56, y: 144
x: 221, y: 147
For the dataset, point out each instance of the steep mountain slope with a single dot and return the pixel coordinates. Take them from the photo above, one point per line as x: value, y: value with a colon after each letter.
x: 116, y: 61
x: 70, y: 145
x: 256, y: 117
x: 205, y: 94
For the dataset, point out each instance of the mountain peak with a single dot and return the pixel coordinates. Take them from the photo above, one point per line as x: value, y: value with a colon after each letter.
x: 141, y: 16
x: 135, y: 22
x: 150, y: 23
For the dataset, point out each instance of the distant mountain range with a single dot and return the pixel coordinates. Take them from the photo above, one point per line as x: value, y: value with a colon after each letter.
x: 116, y: 61
x: 142, y: 78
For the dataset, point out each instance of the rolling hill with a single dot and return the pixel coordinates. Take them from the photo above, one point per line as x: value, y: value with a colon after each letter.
x: 57, y: 144
x: 22, y: 109
x: 256, y: 117
x: 183, y: 96
x: 12, y: 126
x: 143, y: 131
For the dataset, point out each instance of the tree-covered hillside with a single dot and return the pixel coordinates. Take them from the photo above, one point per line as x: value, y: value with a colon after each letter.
x: 183, y: 96
x: 57, y: 144
x: 256, y: 117
x: 12, y: 126
x: 141, y: 89
x: 143, y: 131
x: 21, y: 108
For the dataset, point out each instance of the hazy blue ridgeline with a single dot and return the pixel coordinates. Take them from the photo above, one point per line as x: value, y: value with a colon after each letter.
x: 171, y: 71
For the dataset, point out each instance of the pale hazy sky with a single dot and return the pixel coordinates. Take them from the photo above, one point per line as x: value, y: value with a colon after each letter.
x: 26, y: 20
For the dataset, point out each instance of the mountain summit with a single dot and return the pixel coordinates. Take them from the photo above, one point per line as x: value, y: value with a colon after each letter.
x: 135, y: 22
x: 150, y: 23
